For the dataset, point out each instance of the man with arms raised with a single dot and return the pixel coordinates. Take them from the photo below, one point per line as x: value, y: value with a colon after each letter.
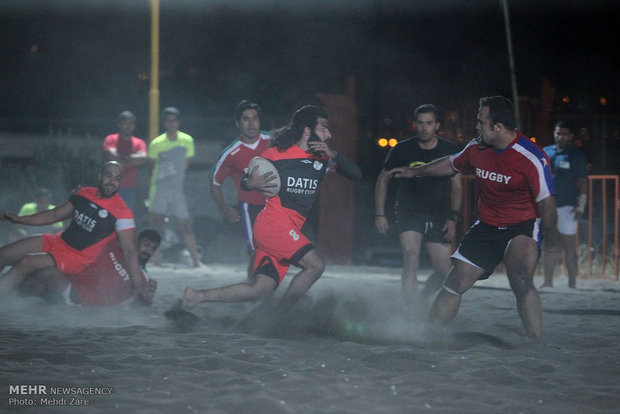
x: 516, y: 192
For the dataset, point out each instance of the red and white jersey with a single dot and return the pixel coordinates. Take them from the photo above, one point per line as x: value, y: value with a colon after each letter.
x: 512, y: 181
x: 105, y: 282
x: 234, y: 161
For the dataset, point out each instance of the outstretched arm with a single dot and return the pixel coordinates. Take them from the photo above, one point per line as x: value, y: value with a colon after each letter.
x: 440, y: 167
x: 43, y: 218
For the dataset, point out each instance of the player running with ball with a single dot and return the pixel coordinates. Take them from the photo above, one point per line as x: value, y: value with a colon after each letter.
x: 302, y: 157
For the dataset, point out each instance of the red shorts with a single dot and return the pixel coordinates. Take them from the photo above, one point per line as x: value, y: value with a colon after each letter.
x: 67, y: 259
x: 279, y: 243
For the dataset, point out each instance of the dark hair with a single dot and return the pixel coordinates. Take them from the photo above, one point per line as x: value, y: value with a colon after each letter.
x: 244, y: 106
x: 425, y: 109
x: 151, y: 234
x: 565, y: 124
x: 500, y: 110
x: 306, y: 116
x: 126, y: 115
x: 171, y: 110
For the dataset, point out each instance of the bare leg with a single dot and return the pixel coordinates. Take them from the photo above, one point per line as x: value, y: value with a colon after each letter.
x: 551, y: 257
x: 260, y: 287
x: 440, y: 259
x: 461, y: 277
x: 312, y: 268
x: 13, y: 252
x: 410, y: 244
x: 47, y: 283
x: 24, y: 267
x: 189, y: 240
x: 520, y: 260
x: 568, y: 242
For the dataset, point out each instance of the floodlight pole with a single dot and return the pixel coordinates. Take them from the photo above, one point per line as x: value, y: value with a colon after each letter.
x: 154, y: 92
x: 511, y: 60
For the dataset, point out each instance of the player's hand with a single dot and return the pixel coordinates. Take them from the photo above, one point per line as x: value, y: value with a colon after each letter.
x: 232, y: 215
x: 449, y: 230
x: 145, y: 294
x: 322, y: 147
x: 381, y: 224
x: 261, y: 183
x: 9, y: 216
x: 402, y: 172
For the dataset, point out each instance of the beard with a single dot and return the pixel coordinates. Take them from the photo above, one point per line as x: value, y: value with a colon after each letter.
x: 143, y: 259
x: 107, y: 192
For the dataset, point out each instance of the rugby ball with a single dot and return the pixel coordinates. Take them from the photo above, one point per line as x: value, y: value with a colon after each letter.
x: 265, y: 166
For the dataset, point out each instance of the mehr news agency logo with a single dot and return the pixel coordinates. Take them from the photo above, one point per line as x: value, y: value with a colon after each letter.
x: 43, y: 395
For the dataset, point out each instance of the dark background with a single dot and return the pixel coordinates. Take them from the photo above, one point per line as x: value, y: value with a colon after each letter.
x: 73, y: 66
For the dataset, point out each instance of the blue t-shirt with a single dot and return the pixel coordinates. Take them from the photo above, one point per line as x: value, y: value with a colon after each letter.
x: 568, y: 166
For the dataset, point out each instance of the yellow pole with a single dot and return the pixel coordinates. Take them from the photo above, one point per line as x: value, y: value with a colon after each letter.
x: 154, y: 92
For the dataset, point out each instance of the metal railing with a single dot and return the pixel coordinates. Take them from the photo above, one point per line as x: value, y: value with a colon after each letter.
x: 601, y: 232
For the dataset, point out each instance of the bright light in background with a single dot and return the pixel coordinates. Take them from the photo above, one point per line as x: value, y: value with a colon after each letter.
x: 385, y: 142
x: 603, y: 101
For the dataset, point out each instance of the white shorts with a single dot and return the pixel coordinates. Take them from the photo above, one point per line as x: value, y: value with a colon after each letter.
x: 169, y: 202
x: 566, y: 220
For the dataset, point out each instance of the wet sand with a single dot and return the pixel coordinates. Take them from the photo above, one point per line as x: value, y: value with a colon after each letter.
x: 351, y: 346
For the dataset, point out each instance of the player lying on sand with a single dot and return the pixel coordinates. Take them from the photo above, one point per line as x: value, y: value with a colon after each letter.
x: 98, y: 214
x: 106, y: 282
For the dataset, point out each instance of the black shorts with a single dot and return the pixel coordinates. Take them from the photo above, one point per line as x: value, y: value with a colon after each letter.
x: 431, y: 230
x: 484, y: 246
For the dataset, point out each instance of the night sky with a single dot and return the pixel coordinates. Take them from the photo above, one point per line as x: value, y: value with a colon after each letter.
x: 78, y: 64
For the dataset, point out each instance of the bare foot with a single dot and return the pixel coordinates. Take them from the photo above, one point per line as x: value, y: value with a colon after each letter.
x: 191, y: 297
x: 200, y: 265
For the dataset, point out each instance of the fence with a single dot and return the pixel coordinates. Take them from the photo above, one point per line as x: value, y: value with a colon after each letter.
x: 600, y: 252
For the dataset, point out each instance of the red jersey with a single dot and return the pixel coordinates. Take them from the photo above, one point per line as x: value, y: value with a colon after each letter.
x: 126, y: 147
x: 106, y: 281
x: 301, y: 174
x: 234, y: 161
x: 512, y: 181
x: 95, y: 222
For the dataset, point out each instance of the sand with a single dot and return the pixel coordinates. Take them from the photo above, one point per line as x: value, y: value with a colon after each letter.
x: 351, y: 347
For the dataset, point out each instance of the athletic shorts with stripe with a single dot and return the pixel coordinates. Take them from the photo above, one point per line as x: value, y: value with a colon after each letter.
x: 484, y: 246
x: 248, y: 213
x: 279, y: 243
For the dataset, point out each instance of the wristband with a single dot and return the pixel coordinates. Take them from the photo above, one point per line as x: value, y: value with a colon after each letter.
x: 582, y: 200
x: 453, y: 215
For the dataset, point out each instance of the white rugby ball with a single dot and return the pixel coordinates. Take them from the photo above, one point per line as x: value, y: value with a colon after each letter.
x: 265, y: 166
